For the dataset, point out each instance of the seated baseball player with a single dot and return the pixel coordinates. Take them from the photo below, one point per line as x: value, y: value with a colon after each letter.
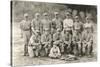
x: 66, y: 38
x: 57, y: 39
x: 46, y: 41
x: 34, y: 45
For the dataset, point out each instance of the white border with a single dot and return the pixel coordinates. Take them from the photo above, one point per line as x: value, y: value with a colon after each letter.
x: 5, y: 32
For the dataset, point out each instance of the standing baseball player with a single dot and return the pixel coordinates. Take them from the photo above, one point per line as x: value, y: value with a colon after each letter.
x: 56, y: 23
x: 77, y: 36
x: 74, y: 13
x: 26, y: 28
x: 36, y: 23
x: 68, y: 22
x: 45, y: 23
x: 87, y: 37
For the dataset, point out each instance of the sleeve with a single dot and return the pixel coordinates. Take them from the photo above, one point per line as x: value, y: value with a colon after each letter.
x: 41, y: 26
x: 70, y: 38
x: 31, y: 40
x: 50, y: 38
x: 32, y: 26
x: 73, y: 26
x: 42, y: 38
x: 64, y: 24
x: 61, y: 24
x: 92, y: 28
x: 29, y: 43
x: 58, y: 50
x: 54, y: 37
x: 62, y: 36
x: 82, y: 37
x: 21, y: 25
x: 52, y: 24
x: 51, y: 51
x: 81, y: 24
x: 72, y: 23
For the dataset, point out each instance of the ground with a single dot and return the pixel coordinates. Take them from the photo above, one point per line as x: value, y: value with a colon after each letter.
x: 19, y: 60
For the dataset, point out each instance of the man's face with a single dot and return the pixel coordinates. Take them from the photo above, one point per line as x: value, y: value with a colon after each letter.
x: 46, y: 32
x: 87, y: 19
x: 58, y: 32
x: 37, y: 16
x: 26, y: 17
x: 76, y: 19
x: 56, y: 15
x: 82, y: 14
x: 74, y: 12
x: 46, y: 16
x: 67, y: 16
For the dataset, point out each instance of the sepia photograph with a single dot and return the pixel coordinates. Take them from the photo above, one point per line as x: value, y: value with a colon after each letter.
x: 44, y: 33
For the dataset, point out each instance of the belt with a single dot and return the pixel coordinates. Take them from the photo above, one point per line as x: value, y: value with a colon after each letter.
x: 77, y: 29
x: 26, y: 30
x: 33, y: 45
